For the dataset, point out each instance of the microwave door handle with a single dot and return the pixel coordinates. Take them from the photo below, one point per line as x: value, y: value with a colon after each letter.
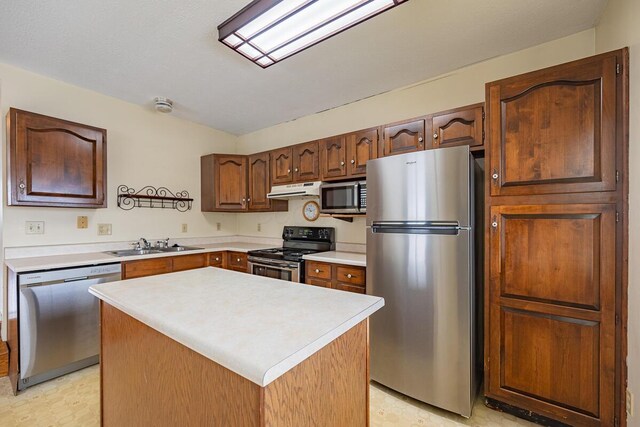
x: 356, y: 197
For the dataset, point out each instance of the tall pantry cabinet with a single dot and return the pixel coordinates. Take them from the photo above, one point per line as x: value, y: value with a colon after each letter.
x: 555, y: 302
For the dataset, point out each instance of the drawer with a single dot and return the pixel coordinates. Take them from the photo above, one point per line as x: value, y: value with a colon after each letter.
x: 318, y: 282
x: 189, y: 262
x: 216, y: 259
x: 358, y: 289
x: 237, y: 261
x: 318, y: 270
x: 146, y: 267
x: 350, y: 275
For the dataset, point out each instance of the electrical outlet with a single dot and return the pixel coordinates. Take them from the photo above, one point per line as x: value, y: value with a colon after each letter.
x: 104, y: 229
x: 184, y: 228
x: 218, y: 226
x: 629, y: 403
x: 83, y: 222
x: 34, y: 227
x: 259, y: 227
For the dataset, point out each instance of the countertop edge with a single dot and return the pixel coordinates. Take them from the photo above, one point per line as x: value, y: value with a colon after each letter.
x: 320, y: 258
x: 275, y: 371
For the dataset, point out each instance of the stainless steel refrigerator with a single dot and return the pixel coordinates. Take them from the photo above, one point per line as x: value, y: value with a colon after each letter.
x: 420, y: 259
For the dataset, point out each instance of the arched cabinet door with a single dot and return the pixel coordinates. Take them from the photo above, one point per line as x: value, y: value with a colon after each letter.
x: 404, y: 137
x: 306, y: 162
x: 55, y: 162
x: 259, y: 182
x: 230, y: 180
x: 282, y: 166
x: 554, y: 130
x: 461, y: 126
x: 333, y: 157
x: 362, y: 146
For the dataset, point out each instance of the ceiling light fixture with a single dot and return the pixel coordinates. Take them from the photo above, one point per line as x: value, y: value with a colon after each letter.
x: 268, y: 31
x: 162, y: 104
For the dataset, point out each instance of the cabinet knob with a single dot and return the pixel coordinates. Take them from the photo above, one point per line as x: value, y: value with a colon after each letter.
x: 288, y: 170
x: 238, y: 260
x: 495, y: 175
x: 435, y: 136
x: 420, y: 139
x: 349, y: 276
x: 217, y: 259
x: 249, y: 199
x: 341, y: 163
x: 353, y: 162
x: 317, y: 271
x: 494, y: 224
x: 22, y: 186
x: 296, y: 170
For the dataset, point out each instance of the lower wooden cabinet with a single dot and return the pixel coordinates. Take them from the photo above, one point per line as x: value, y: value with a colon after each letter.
x: 336, y: 276
x: 217, y: 259
x: 146, y: 267
x: 237, y: 261
x: 189, y: 262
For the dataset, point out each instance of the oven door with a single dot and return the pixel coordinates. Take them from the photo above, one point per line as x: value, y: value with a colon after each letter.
x: 342, y: 197
x: 267, y: 268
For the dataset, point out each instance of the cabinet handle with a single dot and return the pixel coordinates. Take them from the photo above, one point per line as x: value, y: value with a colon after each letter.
x: 217, y: 259
x: 353, y: 162
x: 295, y: 170
x: 495, y: 175
x: 249, y: 199
x: 435, y: 136
x: 420, y: 139
x: 494, y: 224
x: 317, y: 271
x: 22, y: 186
x: 238, y: 260
x: 349, y: 276
x: 288, y: 171
x: 341, y: 163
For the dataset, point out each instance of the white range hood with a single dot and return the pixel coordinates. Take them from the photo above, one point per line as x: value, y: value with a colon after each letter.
x: 290, y: 191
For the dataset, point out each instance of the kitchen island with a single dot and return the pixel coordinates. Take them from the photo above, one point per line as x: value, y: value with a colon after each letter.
x: 217, y: 347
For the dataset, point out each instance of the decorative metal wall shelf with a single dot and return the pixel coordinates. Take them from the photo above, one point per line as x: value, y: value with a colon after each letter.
x: 152, y: 197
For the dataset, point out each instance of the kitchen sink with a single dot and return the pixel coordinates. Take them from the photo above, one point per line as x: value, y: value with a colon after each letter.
x: 135, y: 252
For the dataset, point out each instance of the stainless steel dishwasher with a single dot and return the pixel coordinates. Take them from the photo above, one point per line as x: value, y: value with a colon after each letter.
x: 58, y: 321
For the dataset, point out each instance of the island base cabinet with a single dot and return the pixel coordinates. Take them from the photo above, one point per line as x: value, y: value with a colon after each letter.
x: 149, y: 379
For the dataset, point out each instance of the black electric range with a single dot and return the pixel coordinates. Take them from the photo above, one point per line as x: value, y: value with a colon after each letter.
x: 286, y: 263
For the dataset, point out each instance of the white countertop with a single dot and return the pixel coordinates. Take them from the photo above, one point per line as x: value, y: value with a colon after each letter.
x: 336, y: 257
x: 19, y: 265
x: 257, y: 327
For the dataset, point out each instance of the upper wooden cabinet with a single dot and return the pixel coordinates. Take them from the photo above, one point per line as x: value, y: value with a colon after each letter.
x: 224, y: 182
x: 54, y: 162
x: 282, y: 166
x: 333, y: 157
x: 554, y: 130
x: 404, y: 137
x: 234, y: 183
x: 362, y: 146
x: 461, y: 126
x: 306, y: 162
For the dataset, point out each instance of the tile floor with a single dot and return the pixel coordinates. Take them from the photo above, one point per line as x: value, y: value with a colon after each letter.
x: 73, y: 400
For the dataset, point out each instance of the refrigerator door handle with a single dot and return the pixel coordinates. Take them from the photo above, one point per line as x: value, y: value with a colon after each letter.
x: 451, y: 228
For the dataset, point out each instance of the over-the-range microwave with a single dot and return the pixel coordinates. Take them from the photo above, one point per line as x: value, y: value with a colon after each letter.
x: 343, y: 197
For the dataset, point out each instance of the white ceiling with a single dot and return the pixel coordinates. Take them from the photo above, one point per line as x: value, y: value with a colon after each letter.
x: 136, y: 50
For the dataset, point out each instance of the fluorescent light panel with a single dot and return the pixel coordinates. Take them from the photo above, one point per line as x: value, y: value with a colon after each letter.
x: 268, y: 31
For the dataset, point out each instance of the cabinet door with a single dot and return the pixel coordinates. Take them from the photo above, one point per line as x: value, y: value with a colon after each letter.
x: 282, y: 166
x: 230, y: 180
x: 146, y: 267
x: 554, y: 130
x: 403, y: 138
x: 259, y: 182
x: 217, y: 259
x: 361, y: 147
x: 462, y: 126
x: 54, y: 162
x: 237, y: 261
x: 189, y: 262
x: 333, y: 157
x: 552, y: 310
x: 306, y: 162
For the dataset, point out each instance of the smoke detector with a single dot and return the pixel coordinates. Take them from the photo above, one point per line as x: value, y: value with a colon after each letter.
x: 163, y: 105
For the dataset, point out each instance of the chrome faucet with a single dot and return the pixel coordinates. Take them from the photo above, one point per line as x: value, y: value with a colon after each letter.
x: 145, y: 244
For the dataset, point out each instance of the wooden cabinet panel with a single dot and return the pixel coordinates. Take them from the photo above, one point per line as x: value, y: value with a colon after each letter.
x: 554, y: 130
x: 237, y: 261
x: 461, y: 126
x: 189, y: 262
x: 54, y: 162
x: 361, y: 147
x: 350, y: 288
x: 557, y: 253
x: 333, y: 157
x: 217, y: 259
x: 349, y: 274
x: 306, y: 162
x: 403, y: 138
x: 259, y: 182
x: 318, y: 270
x: 146, y: 267
x: 318, y: 282
x: 282, y: 166
x: 230, y: 180
x: 552, y: 358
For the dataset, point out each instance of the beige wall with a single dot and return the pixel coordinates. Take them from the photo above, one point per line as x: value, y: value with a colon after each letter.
x: 619, y: 27
x: 458, y: 88
x: 144, y: 148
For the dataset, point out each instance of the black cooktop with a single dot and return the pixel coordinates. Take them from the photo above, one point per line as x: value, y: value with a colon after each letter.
x: 299, y: 241
x: 287, y: 254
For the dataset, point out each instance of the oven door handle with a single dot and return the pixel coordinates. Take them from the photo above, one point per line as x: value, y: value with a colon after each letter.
x: 281, y: 267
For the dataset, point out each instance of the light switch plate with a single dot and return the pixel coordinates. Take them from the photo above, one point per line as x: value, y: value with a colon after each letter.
x: 629, y: 403
x: 83, y: 222
x: 34, y: 227
x: 184, y: 228
x: 218, y: 226
x: 104, y: 229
